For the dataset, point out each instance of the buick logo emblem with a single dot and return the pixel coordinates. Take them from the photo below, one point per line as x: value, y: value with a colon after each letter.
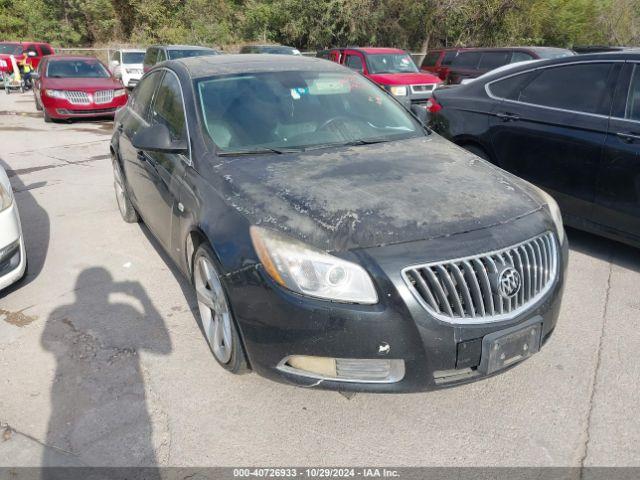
x: 509, y: 282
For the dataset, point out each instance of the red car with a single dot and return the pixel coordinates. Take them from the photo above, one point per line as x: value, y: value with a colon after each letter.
x: 35, y: 51
x: 67, y: 87
x: 391, y: 68
x: 438, y: 61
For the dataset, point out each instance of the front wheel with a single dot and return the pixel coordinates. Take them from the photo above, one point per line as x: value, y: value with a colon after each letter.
x: 215, y: 314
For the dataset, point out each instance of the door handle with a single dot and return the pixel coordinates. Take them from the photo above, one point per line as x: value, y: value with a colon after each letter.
x: 508, y: 117
x: 628, y: 137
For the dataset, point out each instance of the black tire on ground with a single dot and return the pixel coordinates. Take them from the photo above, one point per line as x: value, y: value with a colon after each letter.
x: 237, y: 360
x: 476, y: 150
x: 127, y: 210
x: 47, y: 118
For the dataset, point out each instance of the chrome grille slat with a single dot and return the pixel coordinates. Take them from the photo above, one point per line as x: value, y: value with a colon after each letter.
x: 103, y: 96
x: 465, y: 290
x: 77, y: 98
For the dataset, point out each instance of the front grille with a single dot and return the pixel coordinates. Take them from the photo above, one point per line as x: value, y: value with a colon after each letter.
x: 467, y: 290
x: 103, y: 96
x: 422, y: 88
x: 77, y: 98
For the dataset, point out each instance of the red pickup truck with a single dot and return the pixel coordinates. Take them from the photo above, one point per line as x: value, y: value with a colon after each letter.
x: 391, y: 68
x: 33, y: 50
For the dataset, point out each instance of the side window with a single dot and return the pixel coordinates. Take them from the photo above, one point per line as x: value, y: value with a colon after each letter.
x: 46, y: 50
x: 431, y: 59
x: 143, y: 94
x: 448, y: 58
x: 354, y: 62
x: 521, y: 57
x: 580, y: 87
x: 633, y: 101
x: 467, y: 60
x: 168, y: 108
x: 491, y: 60
x: 162, y: 56
x: 510, y: 87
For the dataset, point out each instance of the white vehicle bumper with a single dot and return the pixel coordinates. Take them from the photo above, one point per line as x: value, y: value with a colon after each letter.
x: 13, y: 257
x: 130, y: 80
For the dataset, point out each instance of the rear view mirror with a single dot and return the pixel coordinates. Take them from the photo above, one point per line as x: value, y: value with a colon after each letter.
x: 156, y: 138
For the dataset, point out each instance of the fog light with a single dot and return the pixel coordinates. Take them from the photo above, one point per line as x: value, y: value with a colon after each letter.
x: 345, y: 369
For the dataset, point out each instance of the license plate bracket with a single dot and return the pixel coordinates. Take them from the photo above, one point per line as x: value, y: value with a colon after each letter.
x: 506, y: 347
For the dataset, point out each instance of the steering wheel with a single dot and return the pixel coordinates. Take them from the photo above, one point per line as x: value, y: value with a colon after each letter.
x: 330, y: 121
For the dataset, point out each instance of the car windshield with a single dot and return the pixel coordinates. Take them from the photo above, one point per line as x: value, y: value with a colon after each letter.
x: 76, y: 69
x: 391, y: 63
x: 299, y: 110
x: 174, y: 54
x: 132, y: 57
x: 10, y: 49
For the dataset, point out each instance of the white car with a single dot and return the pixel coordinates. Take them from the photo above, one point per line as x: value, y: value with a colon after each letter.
x: 13, y: 257
x: 126, y: 65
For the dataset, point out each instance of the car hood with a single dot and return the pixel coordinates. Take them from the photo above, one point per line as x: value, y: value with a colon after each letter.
x: 364, y: 196
x: 85, y: 84
x: 404, y: 78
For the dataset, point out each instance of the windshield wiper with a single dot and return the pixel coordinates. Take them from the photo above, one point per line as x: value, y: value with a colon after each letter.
x: 257, y: 151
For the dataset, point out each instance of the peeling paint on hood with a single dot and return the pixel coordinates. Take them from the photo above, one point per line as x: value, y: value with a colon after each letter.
x: 363, y: 196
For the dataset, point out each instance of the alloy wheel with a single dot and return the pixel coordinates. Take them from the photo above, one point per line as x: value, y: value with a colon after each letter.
x: 214, y: 310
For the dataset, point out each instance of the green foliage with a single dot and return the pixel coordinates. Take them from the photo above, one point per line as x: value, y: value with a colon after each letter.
x: 312, y: 24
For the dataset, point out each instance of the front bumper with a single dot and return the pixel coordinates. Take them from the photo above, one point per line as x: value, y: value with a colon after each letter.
x: 13, y: 259
x: 275, y: 324
x: 63, y: 109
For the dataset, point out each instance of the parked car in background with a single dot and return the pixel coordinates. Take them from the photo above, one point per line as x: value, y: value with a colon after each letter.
x: 126, y: 65
x: 391, y: 68
x: 161, y: 53
x: 35, y: 51
x: 332, y: 241
x: 582, y: 49
x: 473, y: 62
x: 570, y: 125
x: 67, y: 87
x: 438, y: 61
x: 273, y: 49
x: 13, y: 256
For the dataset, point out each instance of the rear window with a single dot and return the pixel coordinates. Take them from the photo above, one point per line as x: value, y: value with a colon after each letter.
x: 46, y: 50
x: 76, y: 69
x: 431, y: 59
x: 467, y: 60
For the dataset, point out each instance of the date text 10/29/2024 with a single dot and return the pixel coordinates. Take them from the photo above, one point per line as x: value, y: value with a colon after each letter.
x: 315, y: 472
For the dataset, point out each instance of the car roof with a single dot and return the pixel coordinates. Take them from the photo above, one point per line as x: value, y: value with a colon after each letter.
x: 57, y: 58
x: 374, y: 50
x: 11, y: 42
x: 182, y: 47
x: 200, y: 67
x: 138, y: 50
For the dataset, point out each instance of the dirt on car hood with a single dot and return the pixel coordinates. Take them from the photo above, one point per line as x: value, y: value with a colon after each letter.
x: 371, y: 195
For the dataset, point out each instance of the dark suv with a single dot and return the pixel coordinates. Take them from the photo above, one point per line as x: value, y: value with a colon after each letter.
x: 473, y: 62
x: 160, y: 53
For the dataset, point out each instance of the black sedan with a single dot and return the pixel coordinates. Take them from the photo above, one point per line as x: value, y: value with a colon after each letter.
x: 333, y: 241
x: 570, y: 125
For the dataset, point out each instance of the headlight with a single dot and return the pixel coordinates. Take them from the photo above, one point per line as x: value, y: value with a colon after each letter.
x: 398, y: 91
x: 312, y: 272
x: 555, y: 213
x: 55, y: 93
x: 120, y: 92
x: 6, y: 196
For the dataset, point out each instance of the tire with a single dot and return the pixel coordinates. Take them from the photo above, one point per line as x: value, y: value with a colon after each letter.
x: 127, y: 210
x: 47, y: 118
x: 479, y: 151
x: 216, y: 317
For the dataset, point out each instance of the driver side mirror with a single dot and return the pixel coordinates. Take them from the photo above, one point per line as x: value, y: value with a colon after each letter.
x: 156, y: 138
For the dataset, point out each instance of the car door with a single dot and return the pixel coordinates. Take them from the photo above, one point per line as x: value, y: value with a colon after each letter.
x: 160, y: 191
x: 149, y: 59
x: 136, y: 117
x: 618, y: 190
x: 355, y: 61
x: 550, y: 128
